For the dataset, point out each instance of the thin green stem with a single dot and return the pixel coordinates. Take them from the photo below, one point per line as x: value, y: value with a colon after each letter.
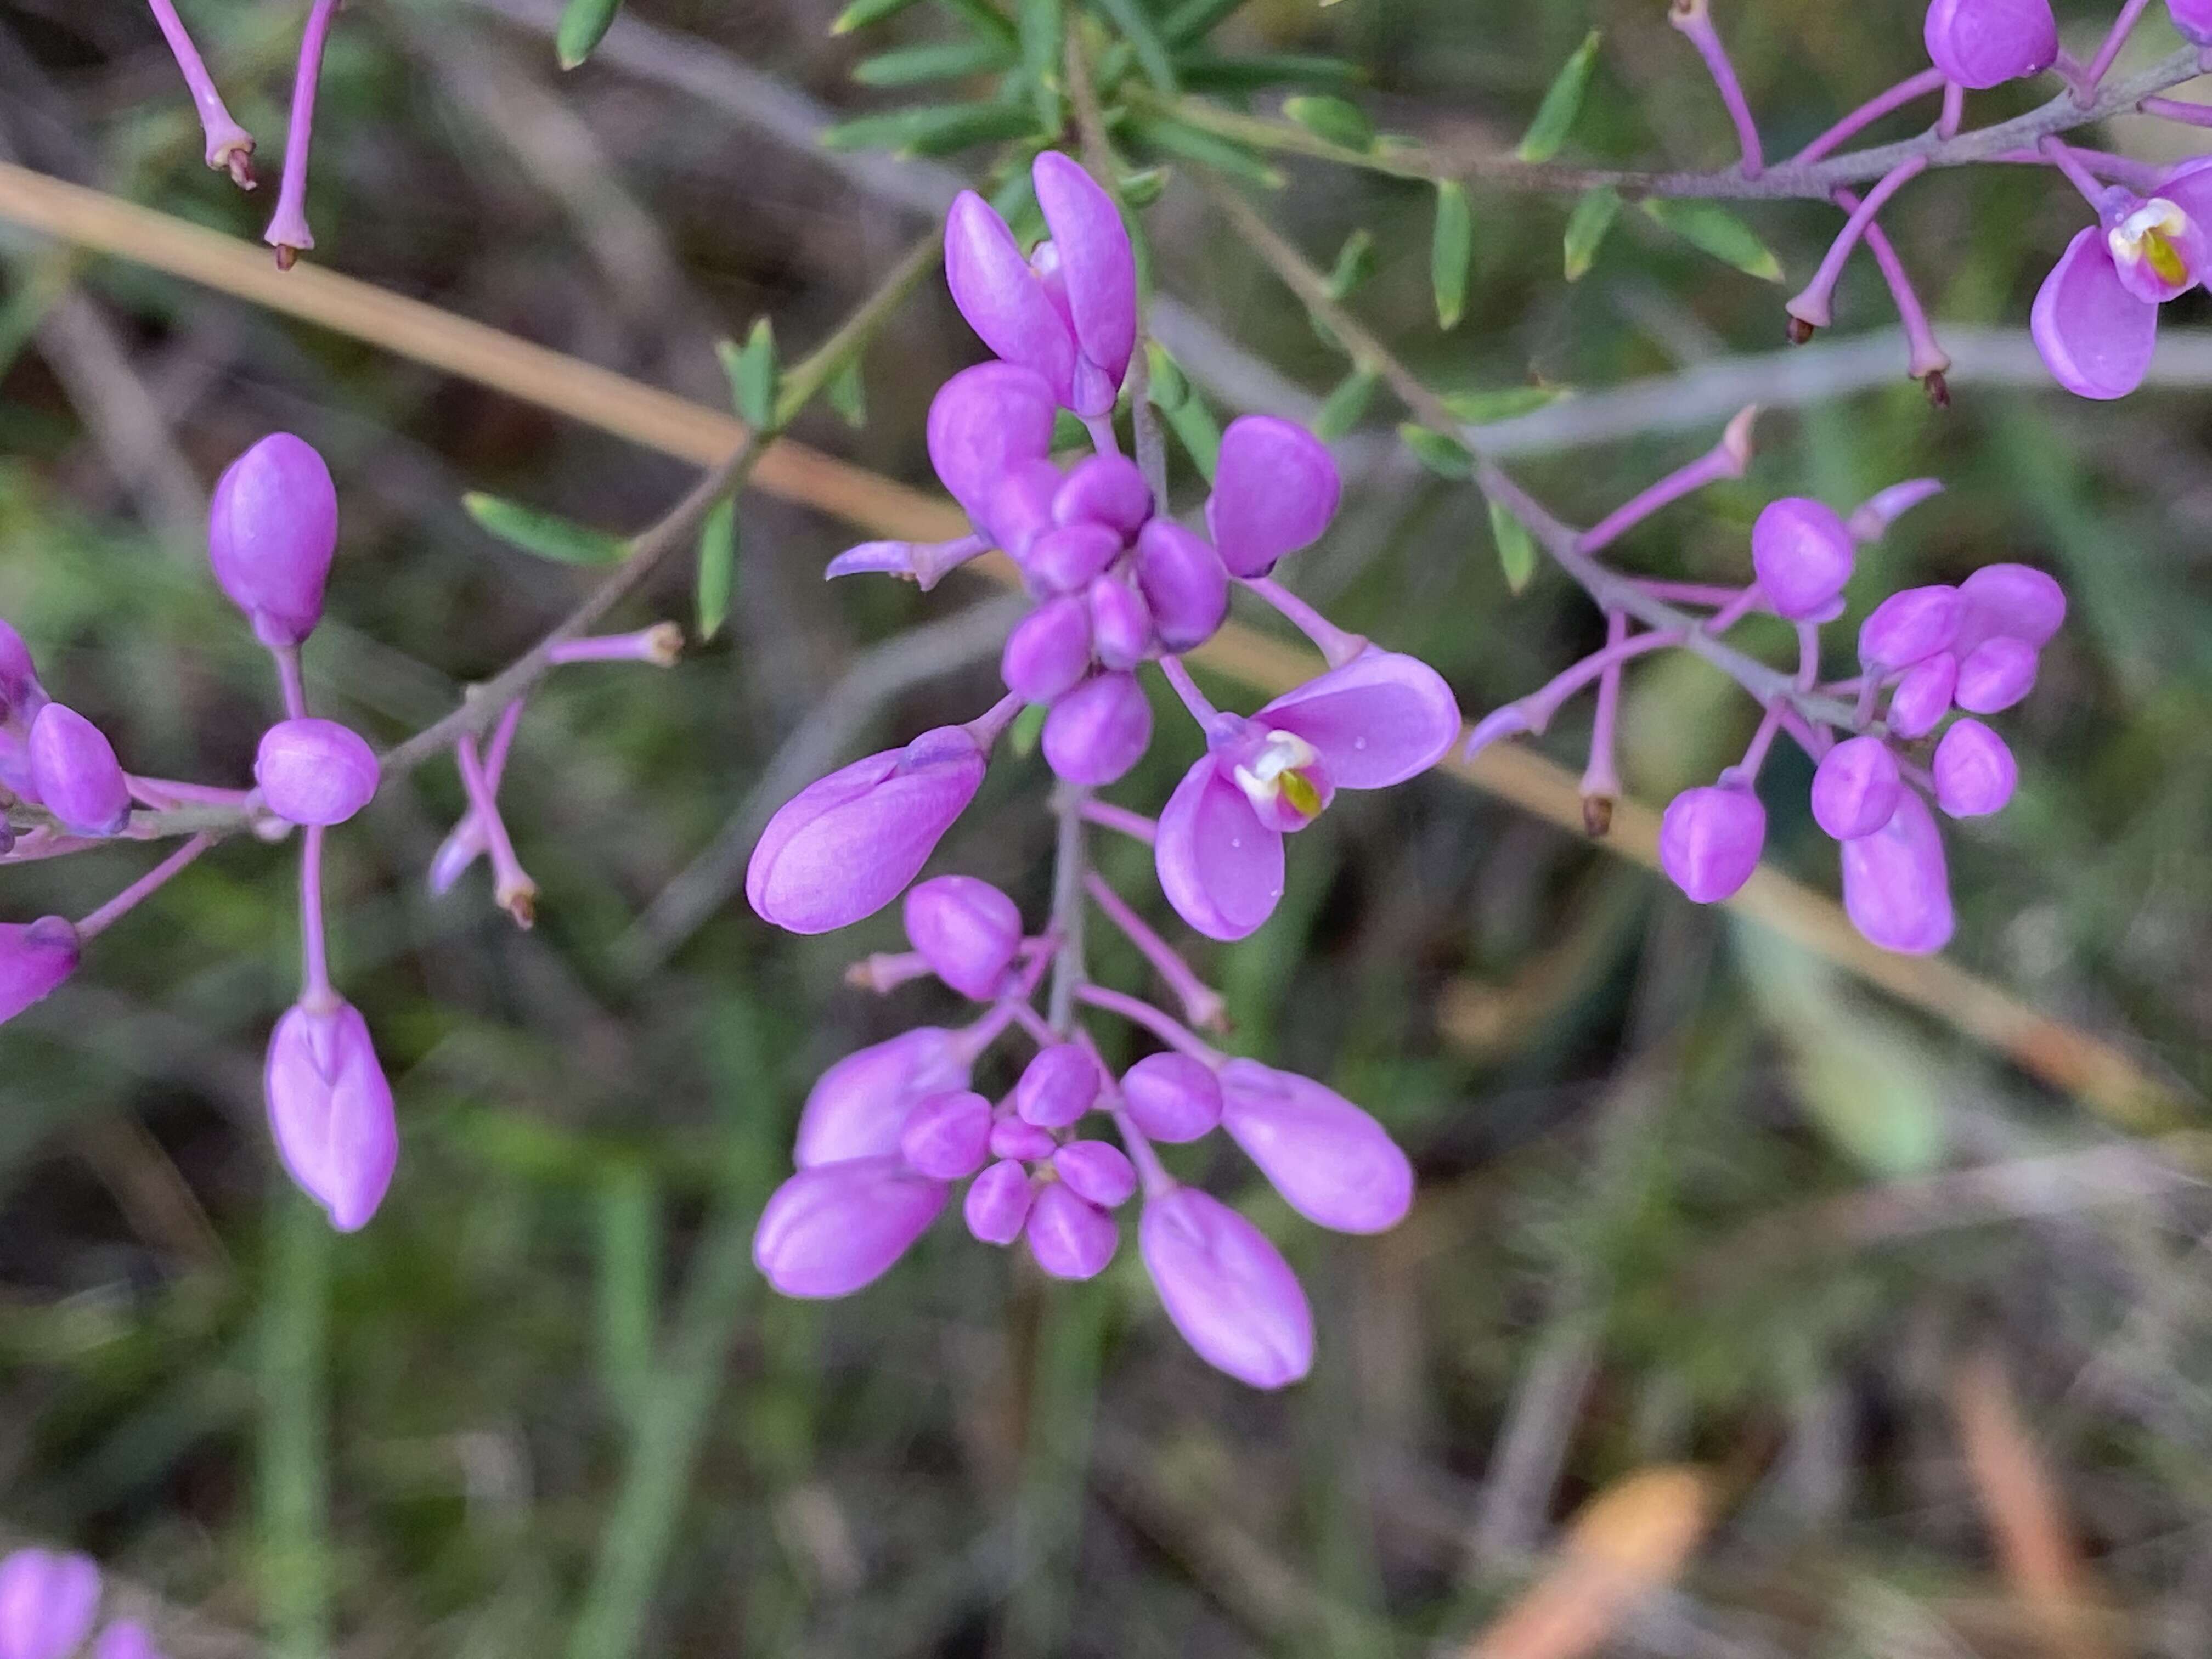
x: 292, y: 1490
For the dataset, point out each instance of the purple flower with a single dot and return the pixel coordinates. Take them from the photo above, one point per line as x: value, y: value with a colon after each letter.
x: 947, y: 1135
x: 1855, y: 787
x: 272, y: 527
x: 1227, y: 1289
x: 47, y: 1604
x: 1908, y: 626
x: 1059, y: 1086
x: 313, y: 771
x: 1982, y: 44
x: 1184, y: 583
x: 1104, y: 489
x: 1172, y: 1098
x: 966, y: 930
x: 859, y: 1108
x: 1336, y: 1165
x: 1710, y: 840
x: 126, y: 1638
x: 1070, y: 1237
x: 1120, y: 625
x: 35, y: 958
x: 75, y: 773
x: 1995, y: 675
x: 1376, y: 721
x: 1923, y: 697
x: 1802, y: 553
x: 1896, y: 890
x: 22, y: 698
x: 998, y: 1203
x: 1064, y: 558
x: 2095, y: 318
x: 845, y: 847
x: 2192, y: 20
x: 984, y: 423
x: 1275, y: 488
x: 1069, y: 312
x: 1099, y: 1173
x: 330, y: 1109
x: 834, y: 1227
x: 1047, y: 652
x: 1975, y: 773
x: 1023, y: 1142
x: 1098, y: 732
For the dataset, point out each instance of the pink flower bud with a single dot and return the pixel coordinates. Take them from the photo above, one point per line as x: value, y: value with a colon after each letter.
x: 1855, y: 787
x: 1975, y: 773
x: 1184, y: 583
x: 1070, y: 1237
x: 1022, y: 1143
x: 832, y: 1229
x: 1982, y: 44
x: 1923, y: 697
x: 1896, y: 890
x: 2016, y: 601
x: 1059, y: 1086
x: 1172, y: 1098
x: 845, y: 847
x: 1120, y: 626
x: 1275, y: 490
x: 272, y: 527
x: 946, y: 1135
x: 1064, y: 560
x: 1710, y: 840
x: 1097, y: 273
x: 982, y: 422
x: 35, y: 958
x: 315, y: 771
x: 1802, y: 553
x: 858, y: 1108
x: 1996, y: 674
x: 1104, y: 489
x: 1048, y: 652
x: 998, y: 1203
x: 47, y: 1604
x: 1908, y: 626
x: 1098, y: 1172
x: 966, y: 930
x: 2192, y: 20
x: 1335, y: 1165
x: 330, y: 1109
x: 1098, y: 732
x: 1227, y: 1289
x: 75, y: 771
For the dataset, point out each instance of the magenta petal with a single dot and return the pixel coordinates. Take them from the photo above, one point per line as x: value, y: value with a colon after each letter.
x: 330, y: 1111
x: 1098, y: 1172
x: 1070, y: 1237
x: 984, y: 421
x: 946, y: 1135
x: 313, y: 771
x: 2017, y: 601
x: 74, y: 769
x: 859, y: 1107
x: 47, y: 1604
x: 1106, y: 489
x: 1184, y: 583
x: 1275, y: 488
x: 1974, y: 771
x: 845, y: 847
x: 834, y: 1228
x: 1379, y: 719
x: 272, y: 528
x: 1335, y: 1165
x: 1058, y: 1086
x: 1048, y: 651
x: 1000, y: 296
x: 998, y: 1203
x: 966, y: 930
x: 1227, y: 1289
x: 1171, y: 1096
x: 2189, y: 186
x: 2096, y: 337
x: 1982, y: 44
x: 35, y: 958
x: 1099, y: 270
x: 1098, y: 730
x: 1219, y: 866
x: 1120, y: 626
x: 1896, y: 888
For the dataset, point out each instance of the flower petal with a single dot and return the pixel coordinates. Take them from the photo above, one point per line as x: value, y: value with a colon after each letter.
x: 1097, y: 266
x: 832, y: 1229
x: 1275, y: 488
x: 1379, y: 719
x: 984, y: 421
x: 2096, y: 337
x: 1219, y: 866
x: 1000, y: 296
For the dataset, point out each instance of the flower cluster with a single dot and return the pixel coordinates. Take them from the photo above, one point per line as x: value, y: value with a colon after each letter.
x: 1926, y: 655
x: 49, y: 1604
x: 1115, y: 584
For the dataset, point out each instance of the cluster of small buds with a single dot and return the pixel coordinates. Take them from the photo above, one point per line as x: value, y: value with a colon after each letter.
x: 49, y: 1604
x: 1115, y: 584
x: 1925, y: 655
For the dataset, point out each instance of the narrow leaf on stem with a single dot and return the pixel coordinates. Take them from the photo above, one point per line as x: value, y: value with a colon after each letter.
x: 1341, y: 409
x: 751, y: 369
x: 584, y: 24
x: 1563, y: 101
x: 546, y: 534
x: 1339, y: 120
x: 1712, y: 228
x: 1593, y: 215
x: 1516, y: 549
x: 1442, y: 454
x: 1449, y: 251
x: 718, y: 564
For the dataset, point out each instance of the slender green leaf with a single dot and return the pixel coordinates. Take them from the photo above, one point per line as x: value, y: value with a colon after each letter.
x: 1212, y: 72
x: 627, y: 1211
x: 1594, y: 212
x: 1165, y: 133
x: 1355, y: 264
x: 848, y: 393
x: 546, y: 534
x: 1516, y: 549
x: 1450, y: 249
x: 1712, y: 228
x: 751, y: 369
x: 1442, y: 454
x: 718, y: 566
x: 945, y: 60
x: 1039, y: 23
x: 1195, y: 19
x: 861, y: 13
x: 933, y: 129
x: 1165, y: 384
x: 984, y: 18
x: 1340, y: 411
x: 1198, y: 432
x: 1339, y: 120
x: 1138, y: 29
x: 1563, y: 101
x: 584, y: 24
x: 1028, y: 727
x: 1479, y: 408
x: 1143, y: 187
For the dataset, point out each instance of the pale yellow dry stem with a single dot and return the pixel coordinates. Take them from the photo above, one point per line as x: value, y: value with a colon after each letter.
x: 2099, y: 1074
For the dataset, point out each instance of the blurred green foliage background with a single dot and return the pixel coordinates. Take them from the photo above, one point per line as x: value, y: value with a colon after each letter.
x: 1689, y: 1195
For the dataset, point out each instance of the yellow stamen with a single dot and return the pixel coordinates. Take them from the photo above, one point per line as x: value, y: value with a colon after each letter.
x: 2163, y: 258
x: 1299, y: 790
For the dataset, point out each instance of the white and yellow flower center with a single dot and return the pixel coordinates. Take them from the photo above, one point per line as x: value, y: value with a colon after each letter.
x: 2152, y: 236
x: 1278, y: 772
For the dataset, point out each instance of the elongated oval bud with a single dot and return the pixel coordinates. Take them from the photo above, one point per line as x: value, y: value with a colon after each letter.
x: 966, y: 930
x: 1058, y: 1086
x: 1070, y: 1237
x: 1172, y: 1098
x: 1098, y: 732
x: 1099, y: 1173
x: 1048, y: 652
x: 1227, y: 1289
x: 1995, y: 675
x: 830, y: 1229
x: 1908, y: 626
x: 1709, y: 840
x: 1337, y: 1167
x: 1982, y: 44
x: 1097, y: 273
x: 858, y: 1108
x: 998, y: 1203
x: 35, y: 958
x: 1896, y: 888
x: 1975, y: 773
x: 1184, y: 583
x: 1275, y: 490
x: 75, y: 771
x: 1802, y: 553
x: 272, y: 527
x: 1923, y: 697
x: 330, y: 1109
x: 1855, y: 787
